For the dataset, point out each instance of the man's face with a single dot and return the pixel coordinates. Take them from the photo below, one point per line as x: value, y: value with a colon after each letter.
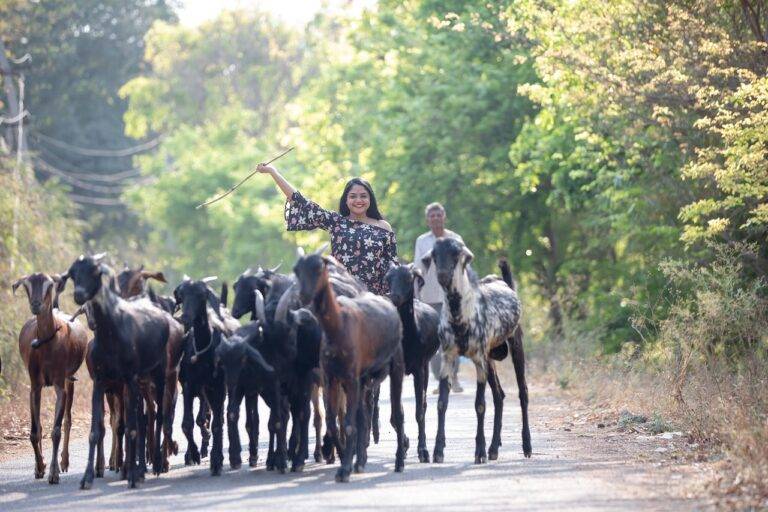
x: 436, y: 219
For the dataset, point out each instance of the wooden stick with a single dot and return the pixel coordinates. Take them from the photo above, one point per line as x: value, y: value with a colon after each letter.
x: 225, y: 194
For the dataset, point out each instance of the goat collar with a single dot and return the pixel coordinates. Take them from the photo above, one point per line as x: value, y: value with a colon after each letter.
x: 37, y: 342
x: 198, y: 353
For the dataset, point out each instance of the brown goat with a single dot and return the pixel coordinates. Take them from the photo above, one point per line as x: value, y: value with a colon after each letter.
x: 360, y: 348
x: 53, y: 350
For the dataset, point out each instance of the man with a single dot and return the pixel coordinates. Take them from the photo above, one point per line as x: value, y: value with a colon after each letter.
x: 432, y: 293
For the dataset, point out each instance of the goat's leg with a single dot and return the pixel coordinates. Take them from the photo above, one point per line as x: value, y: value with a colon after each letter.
x: 203, y: 422
x: 97, y: 426
x: 442, y: 406
x: 120, y: 405
x: 69, y: 387
x: 498, y: 407
x: 318, y: 422
x: 61, y: 402
x: 169, y: 412
x: 252, y: 426
x: 332, y: 439
x: 306, y: 411
x: 280, y: 430
x: 149, y: 417
x: 363, y: 423
x: 482, y: 377
x: 215, y: 396
x: 375, y: 417
x: 397, y: 419
x: 192, y: 456
x: 518, y: 359
x: 233, y: 416
x: 294, y: 442
x: 271, y: 438
x: 100, y: 446
x: 141, y: 440
x: 350, y: 426
x: 113, y: 428
x: 157, y: 462
x: 420, y: 377
x: 36, y: 429
x: 134, y: 414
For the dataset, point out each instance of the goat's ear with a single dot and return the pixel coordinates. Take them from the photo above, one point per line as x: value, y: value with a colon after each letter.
x: 215, y: 303
x: 158, y: 276
x: 255, y: 356
x: 328, y: 260
x: 392, y: 265
x: 18, y: 283
x: 468, y: 256
x: 260, y: 313
x: 426, y: 260
x: 418, y: 278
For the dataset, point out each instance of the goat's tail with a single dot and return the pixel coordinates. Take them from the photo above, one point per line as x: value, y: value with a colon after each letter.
x: 224, y: 293
x: 506, y: 273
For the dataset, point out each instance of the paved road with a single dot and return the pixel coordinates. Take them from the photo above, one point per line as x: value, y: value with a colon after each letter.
x: 560, y: 476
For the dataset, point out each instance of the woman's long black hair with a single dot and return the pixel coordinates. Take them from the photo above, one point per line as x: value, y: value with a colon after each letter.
x: 373, y: 208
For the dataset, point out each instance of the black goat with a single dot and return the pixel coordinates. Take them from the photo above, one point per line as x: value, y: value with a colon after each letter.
x: 205, y: 323
x: 478, y: 318
x: 420, y: 339
x: 130, y: 342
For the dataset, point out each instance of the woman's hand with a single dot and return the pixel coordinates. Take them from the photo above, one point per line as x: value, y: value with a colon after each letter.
x: 265, y: 169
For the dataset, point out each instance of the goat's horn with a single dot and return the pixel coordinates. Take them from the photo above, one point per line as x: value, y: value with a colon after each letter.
x: 260, y: 313
x: 209, y: 279
x: 248, y: 272
x: 300, y: 252
x: 98, y: 257
x: 186, y: 278
x: 322, y: 249
x: 275, y: 269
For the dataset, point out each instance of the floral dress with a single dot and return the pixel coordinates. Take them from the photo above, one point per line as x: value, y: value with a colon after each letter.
x: 364, y: 249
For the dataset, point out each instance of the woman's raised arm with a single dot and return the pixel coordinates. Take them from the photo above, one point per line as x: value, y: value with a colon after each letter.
x: 285, y: 187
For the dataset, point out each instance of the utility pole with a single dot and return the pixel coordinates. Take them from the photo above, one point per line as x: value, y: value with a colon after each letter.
x: 17, y: 115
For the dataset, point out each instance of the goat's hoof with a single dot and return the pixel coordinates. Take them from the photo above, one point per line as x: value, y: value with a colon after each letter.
x: 234, y: 466
x: 359, y: 468
x: 215, y: 471
x: 318, y: 456
x: 399, y: 466
x: 480, y: 459
x: 342, y: 475
x: 53, y: 478
x: 252, y: 460
x: 527, y: 455
x: 297, y: 468
x: 40, y: 472
x: 203, y: 451
x: 437, y: 458
x: 174, y: 447
x: 100, y: 473
x: 423, y: 455
x: 85, y: 484
x: 493, y: 453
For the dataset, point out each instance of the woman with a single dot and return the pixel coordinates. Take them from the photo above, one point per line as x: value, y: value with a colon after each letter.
x: 360, y: 237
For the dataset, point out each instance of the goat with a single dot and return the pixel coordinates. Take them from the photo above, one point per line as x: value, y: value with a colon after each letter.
x: 53, y: 350
x: 132, y: 285
x: 130, y: 345
x: 205, y: 322
x: 272, y: 285
x: 478, y: 317
x: 420, y: 339
x: 360, y: 348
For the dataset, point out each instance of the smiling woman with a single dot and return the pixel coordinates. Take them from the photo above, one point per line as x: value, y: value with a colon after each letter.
x: 360, y: 237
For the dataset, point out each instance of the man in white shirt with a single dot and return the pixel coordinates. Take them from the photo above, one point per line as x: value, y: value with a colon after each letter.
x: 432, y: 293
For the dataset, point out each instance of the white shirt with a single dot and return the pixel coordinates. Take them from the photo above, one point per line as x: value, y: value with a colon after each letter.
x: 431, y: 292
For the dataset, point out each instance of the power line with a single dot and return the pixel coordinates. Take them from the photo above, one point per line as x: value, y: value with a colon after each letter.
x: 99, y: 152
x: 100, y: 201
x: 46, y: 167
x: 100, y: 176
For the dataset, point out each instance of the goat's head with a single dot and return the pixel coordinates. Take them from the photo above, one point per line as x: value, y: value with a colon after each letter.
x: 42, y: 290
x: 311, y: 274
x: 450, y: 258
x: 88, y: 274
x: 401, y: 279
x: 132, y: 281
x: 235, y: 351
x: 247, y: 283
x: 193, y: 297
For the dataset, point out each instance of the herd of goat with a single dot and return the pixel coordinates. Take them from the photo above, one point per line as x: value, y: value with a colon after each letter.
x: 316, y: 332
